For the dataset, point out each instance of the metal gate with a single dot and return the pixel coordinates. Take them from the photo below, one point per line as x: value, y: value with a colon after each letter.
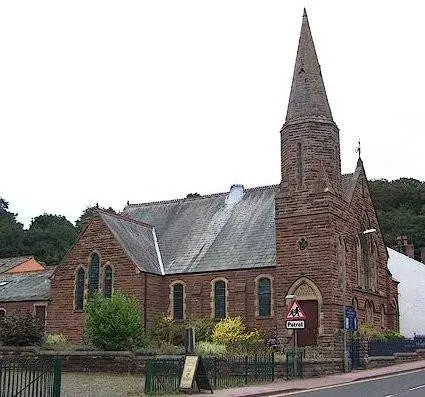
x: 30, y: 377
x: 294, y: 363
x: 355, y: 354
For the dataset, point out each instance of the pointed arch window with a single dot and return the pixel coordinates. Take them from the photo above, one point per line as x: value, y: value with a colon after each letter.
x: 107, y: 282
x: 94, y: 274
x: 264, y: 297
x: 79, y: 289
x: 220, y: 299
x: 178, y: 293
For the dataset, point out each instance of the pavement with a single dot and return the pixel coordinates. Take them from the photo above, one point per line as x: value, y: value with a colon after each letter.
x: 282, y: 386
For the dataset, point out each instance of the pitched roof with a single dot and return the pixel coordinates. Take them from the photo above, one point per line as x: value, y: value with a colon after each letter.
x: 25, y: 286
x: 216, y: 232
x: 137, y: 240
x: 308, y: 95
x: 9, y: 263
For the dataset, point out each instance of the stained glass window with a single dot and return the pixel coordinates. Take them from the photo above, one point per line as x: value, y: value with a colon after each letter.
x: 264, y: 297
x: 94, y: 274
x: 178, y: 301
x: 107, y: 284
x: 79, y: 289
x: 220, y: 299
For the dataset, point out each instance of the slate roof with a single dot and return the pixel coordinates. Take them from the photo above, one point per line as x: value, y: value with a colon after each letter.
x: 211, y: 233
x: 137, y: 240
x: 9, y: 263
x: 25, y: 286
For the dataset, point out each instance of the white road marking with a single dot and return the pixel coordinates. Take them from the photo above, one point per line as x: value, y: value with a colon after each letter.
x: 417, y: 387
x: 348, y: 383
x: 389, y: 395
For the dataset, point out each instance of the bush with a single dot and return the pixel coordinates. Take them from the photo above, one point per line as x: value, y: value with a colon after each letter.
x: 114, y: 323
x: 232, y: 329
x: 167, y: 330
x: 204, y: 328
x: 55, y: 341
x: 21, y: 330
x: 210, y: 349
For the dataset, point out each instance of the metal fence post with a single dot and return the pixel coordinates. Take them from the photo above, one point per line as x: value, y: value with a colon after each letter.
x: 57, y: 376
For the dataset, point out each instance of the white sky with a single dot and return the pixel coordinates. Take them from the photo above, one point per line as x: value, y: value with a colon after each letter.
x: 109, y: 101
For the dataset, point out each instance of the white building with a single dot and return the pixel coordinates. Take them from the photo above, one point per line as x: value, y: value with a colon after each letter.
x: 411, y: 275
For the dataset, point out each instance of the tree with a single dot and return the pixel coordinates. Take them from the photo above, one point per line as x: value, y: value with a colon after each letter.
x: 11, y: 232
x: 400, y: 206
x: 49, y: 237
x: 114, y: 323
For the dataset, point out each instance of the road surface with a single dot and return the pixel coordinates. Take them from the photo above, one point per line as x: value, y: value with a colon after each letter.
x: 409, y: 384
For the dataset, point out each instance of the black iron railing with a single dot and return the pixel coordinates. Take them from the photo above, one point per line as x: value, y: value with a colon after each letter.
x: 163, y: 374
x: 389, y: 347
x: 30, y: 377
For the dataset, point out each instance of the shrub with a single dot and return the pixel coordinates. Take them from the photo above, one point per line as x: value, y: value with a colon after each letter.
x: 21, y: 330
x: 210, y: 349
x: 114, y: 323
x: 204, y: 328
x: 167, y: 330
x: 54, y: 341
x: 367, y: 331
x: 232, y: 329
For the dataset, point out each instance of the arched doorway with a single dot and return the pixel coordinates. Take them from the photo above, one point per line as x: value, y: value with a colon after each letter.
x: 310, y: 299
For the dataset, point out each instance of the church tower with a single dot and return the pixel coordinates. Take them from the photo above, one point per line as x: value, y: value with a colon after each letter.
x: 309, y: 202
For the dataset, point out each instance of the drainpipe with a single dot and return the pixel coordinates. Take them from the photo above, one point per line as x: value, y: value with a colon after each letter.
x: 144, y: 304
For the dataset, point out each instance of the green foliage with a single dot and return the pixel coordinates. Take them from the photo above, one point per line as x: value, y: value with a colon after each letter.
x: 210, y: 349
x: 400, y: 205
x: 114, y: 323
x: 204, y: 328
x: 20, y: 330
x: 85, y: 217
x: 233, y: 329
x: 55, y: 341
x: 370, y: 332
x: 11, y: 232
x: 49, y: 237
x: 167, y: 330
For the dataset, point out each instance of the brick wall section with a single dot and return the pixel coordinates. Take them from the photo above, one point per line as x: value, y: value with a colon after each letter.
x: 21, y: 307
x: 126, y: 277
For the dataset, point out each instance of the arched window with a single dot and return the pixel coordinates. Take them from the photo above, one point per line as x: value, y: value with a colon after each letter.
x: 94, y: 274
x: 369, y: 312
x: 79, y: 289
x: 178, y: 301
x: 382, y: 317
x: 264, y: 297
x: 220, y: 299
x: 107, y: 283
x: 2, y: 313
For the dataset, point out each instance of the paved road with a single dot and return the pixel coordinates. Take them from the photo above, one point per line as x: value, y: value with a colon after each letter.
x: 411, y: 384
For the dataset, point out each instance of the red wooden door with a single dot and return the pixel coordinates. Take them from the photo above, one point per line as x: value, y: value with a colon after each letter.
x: 308, y: 335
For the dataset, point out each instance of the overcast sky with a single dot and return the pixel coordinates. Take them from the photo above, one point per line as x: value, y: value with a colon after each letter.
x: 106, y: 102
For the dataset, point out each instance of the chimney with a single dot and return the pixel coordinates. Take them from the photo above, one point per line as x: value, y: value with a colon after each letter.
x: 410, y: 250
x: 404, y: 239
x: 423, y: 254
x: 235, y: 195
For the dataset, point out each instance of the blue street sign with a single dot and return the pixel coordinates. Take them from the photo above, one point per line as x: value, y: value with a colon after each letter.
x: 350, y: 318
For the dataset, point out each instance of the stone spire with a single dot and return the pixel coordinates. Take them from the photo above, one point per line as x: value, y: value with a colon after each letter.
x: 308, y: 95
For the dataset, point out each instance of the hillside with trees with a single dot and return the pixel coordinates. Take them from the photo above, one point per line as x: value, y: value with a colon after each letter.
x: 400, y: 205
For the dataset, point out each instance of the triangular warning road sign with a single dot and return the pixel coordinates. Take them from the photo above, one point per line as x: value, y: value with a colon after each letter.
x: 295, y: 312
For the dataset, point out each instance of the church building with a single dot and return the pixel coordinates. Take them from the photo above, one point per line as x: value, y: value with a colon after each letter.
x: 314, y: 235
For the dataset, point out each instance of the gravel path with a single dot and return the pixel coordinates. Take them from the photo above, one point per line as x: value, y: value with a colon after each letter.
x: 76, y: 384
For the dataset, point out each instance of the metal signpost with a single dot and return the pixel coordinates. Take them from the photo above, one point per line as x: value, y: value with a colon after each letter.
x: 295, y: 319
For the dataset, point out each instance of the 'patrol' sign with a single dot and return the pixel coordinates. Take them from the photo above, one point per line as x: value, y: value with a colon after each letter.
x: 295, y: 324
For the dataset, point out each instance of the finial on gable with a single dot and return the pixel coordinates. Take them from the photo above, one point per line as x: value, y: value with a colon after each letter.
x: 358, y: 149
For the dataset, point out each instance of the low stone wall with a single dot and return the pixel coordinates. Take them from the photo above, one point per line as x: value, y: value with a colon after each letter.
x: 397, y: 358
x: 86, y: 361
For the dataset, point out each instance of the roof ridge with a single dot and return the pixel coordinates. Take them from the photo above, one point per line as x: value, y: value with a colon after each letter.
x: 125, y: 218
x: 149, y: 203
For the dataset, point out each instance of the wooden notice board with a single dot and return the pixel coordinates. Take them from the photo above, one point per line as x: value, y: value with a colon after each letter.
x: 194, y: 372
